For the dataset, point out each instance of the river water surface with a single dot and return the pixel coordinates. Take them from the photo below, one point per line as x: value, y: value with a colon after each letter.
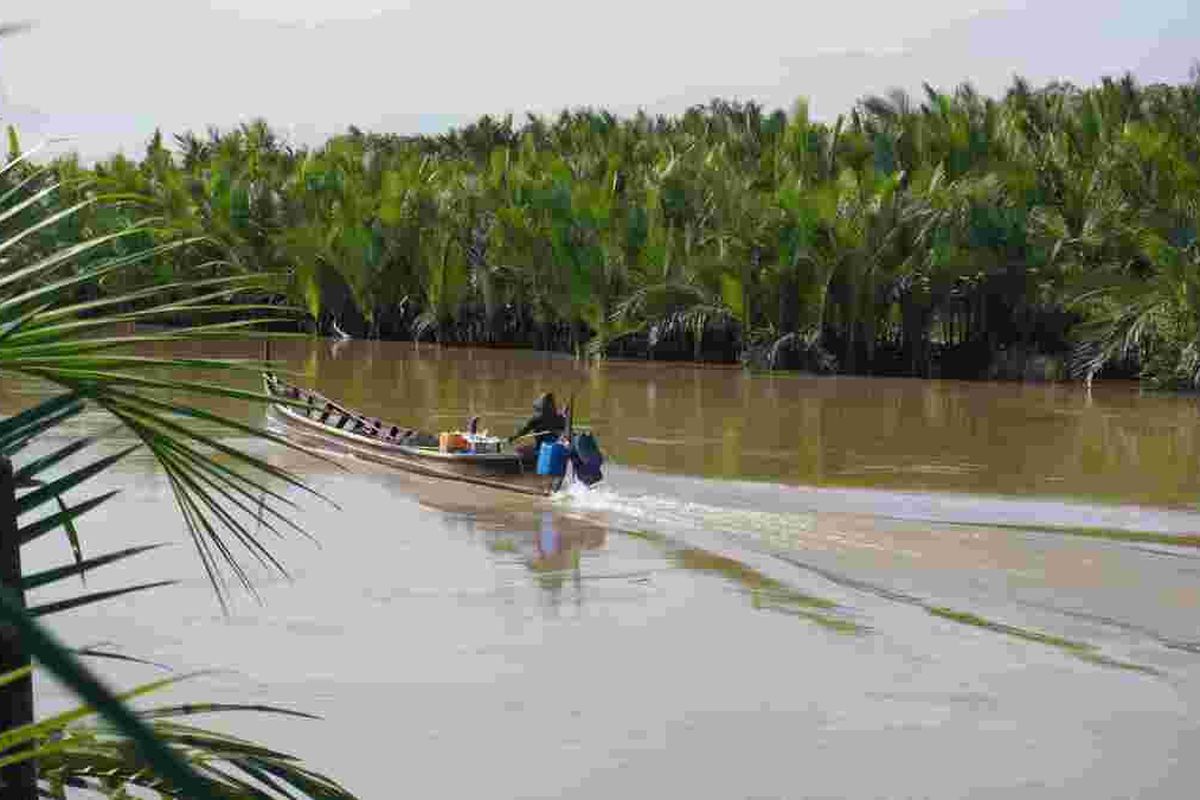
x: 786, y: 587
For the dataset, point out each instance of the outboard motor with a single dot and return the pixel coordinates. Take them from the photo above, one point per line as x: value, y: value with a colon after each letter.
x: 586, y: 458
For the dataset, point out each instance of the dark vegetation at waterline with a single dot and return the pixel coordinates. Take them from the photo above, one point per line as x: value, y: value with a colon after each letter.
x: 1051, y: 232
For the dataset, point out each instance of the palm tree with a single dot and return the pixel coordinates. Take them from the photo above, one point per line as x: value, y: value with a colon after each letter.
x: 911, y: 231
x: 73, y: 346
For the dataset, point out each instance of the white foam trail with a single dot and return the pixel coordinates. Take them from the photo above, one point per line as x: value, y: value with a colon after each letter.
x: 671, y: 515
x: 773, y: 509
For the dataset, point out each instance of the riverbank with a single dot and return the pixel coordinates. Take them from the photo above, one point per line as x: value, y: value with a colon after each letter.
x: 796, y: 354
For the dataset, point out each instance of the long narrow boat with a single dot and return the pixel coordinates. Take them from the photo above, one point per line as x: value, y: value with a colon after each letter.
x: 315, y: 415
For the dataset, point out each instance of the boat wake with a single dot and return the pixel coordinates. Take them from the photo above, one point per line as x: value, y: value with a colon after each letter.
x: 794, y: 517
x: 680, y: 517
x: 646, y: 495
x: 1010, y: 565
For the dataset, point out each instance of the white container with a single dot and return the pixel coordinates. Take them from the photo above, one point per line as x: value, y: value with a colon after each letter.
x: 482, y: 443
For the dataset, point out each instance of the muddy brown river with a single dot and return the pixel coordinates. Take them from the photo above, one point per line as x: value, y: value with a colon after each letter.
x: 787, y: 586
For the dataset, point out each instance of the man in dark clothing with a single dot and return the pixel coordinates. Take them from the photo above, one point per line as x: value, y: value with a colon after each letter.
x: 546, y: 422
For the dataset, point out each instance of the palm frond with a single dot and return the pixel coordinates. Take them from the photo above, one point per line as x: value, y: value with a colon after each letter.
x: 52, y: 342
x: 112, y: 756
x: 66, y: 667
x: 55, y: 574
x: 64, y: 517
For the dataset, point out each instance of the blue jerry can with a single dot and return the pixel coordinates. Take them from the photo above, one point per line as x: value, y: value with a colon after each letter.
x: 552, y: 459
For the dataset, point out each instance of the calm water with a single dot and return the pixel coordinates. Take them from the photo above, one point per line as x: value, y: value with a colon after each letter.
x: 783, y: 580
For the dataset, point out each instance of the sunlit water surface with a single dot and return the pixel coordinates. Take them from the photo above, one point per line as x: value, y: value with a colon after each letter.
x: 787, y: 587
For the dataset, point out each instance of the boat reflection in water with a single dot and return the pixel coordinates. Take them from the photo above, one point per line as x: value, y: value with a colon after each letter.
x: 549, y: 543
x: 558, y: 546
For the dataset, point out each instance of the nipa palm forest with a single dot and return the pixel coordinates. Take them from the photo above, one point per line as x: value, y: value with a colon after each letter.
x: 1047, y: 233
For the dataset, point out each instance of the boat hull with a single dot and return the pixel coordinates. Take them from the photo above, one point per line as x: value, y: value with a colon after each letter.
x: 498, y: 470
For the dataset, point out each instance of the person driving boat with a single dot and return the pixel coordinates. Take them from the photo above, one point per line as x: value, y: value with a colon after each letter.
x: 546, y: 425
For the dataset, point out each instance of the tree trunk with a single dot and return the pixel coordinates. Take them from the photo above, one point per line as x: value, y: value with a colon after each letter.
x: 789, y: 301
x: 17, y: 781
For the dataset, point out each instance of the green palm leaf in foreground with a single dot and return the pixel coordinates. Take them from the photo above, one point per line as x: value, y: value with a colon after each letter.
x: 150, y: 749
x: 54, y: 331
x: 46, y: 335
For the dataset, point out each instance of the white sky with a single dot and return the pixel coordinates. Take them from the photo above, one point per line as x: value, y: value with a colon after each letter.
x: 109, y: 71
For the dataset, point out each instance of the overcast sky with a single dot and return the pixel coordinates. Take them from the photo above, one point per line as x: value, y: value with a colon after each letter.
x: 109, y: 71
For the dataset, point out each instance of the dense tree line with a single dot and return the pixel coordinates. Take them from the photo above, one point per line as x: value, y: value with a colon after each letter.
x: 1051, y: 230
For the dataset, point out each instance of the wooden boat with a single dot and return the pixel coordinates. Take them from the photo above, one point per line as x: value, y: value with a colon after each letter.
x: 315, y: 415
